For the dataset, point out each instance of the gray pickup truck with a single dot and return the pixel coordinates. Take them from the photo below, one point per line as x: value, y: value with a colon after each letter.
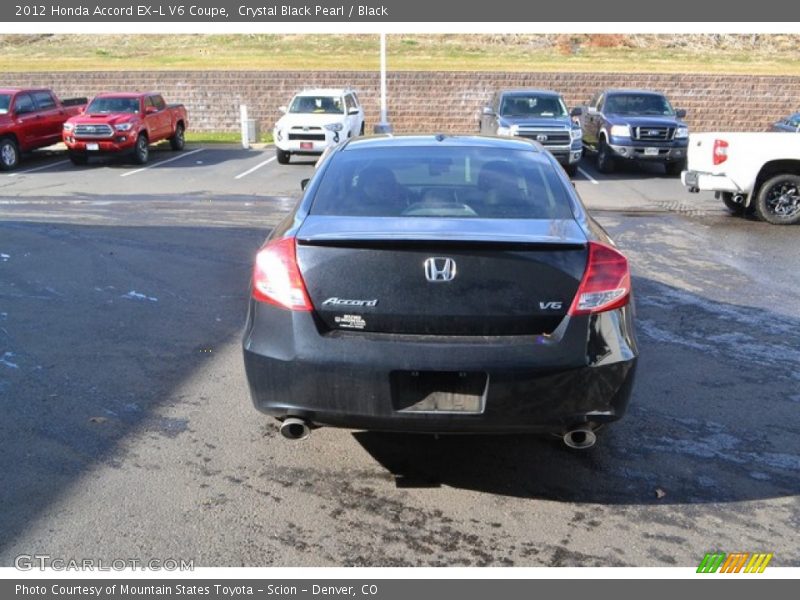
x: 539, y: 115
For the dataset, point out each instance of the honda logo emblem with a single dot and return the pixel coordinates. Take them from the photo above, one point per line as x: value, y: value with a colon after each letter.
x: 438, y: 268
x: 541, y: 138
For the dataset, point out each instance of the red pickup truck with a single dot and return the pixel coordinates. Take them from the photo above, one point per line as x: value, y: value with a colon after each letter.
x: 31, y: 119
x: 124, y: 123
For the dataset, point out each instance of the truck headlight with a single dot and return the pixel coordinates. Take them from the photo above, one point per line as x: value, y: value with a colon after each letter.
x: 68, y: 127
x: 333, y: 126
x: 620, y: 130
x: 681, y: 133
x: 512, y: 130
x: 575, y: 133
x: 123, y: 126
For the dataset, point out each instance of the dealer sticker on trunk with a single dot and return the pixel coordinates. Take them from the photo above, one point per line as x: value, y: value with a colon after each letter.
x: 350, y: 322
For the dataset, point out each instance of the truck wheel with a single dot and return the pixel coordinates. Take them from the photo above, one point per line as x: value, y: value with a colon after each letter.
x: 178, y: 141
x: 361, y: 132
x: 778, y: 200
x: 283, y: 156
x: 9, y: 154
x: 605, y: 161
x: 572, y: 169
x: 675, y: 168
x: 78, y: 158
x: 141, y: 152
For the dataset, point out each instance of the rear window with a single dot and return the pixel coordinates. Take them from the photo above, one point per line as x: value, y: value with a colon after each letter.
x: 460, y: 182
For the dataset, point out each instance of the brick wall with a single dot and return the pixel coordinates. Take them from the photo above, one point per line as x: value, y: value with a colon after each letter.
x: 430, y: 101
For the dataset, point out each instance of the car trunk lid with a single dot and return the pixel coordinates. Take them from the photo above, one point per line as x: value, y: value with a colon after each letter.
x: 440, y: 276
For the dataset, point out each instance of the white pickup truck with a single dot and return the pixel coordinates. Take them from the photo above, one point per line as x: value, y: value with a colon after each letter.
x: 751, y: 172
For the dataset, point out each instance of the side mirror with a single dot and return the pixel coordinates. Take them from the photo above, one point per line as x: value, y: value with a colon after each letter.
x: 149, y: 110
x: 576, y: 112
x: 680, y: 113
x: 353, y: 111
x: 304, y: 184
x: 282, y: 109
x: 487, y: 110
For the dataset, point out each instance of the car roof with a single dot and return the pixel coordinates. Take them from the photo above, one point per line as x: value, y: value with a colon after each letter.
x: 633, y: 91
x: 537, y: 91
x: 15, y: 90
x: 126, y: 94
x: 440, y: 140
x: 325, y: 92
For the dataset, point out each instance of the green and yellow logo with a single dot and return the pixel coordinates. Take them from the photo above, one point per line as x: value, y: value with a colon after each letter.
x: 738, y: 562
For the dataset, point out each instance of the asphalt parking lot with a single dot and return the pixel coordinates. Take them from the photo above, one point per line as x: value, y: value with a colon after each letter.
x: 128, y: 429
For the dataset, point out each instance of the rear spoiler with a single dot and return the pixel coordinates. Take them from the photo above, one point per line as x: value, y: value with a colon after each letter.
x: 336, y: 231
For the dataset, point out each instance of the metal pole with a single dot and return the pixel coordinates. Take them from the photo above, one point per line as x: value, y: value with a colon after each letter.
x: 245, y: 133
x: 383, y: 78
x: 383, y: 126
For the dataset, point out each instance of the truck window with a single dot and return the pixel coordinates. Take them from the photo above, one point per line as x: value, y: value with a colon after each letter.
x: 44, y: 100
x: 349, y: 103
x: 23, y: 104
x: 5, y: 103
x: 158, y: 102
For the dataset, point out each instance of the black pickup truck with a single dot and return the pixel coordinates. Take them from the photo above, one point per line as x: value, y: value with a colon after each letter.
x: 637, y: 125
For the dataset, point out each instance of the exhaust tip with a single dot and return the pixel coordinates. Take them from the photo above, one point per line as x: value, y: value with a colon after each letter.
x: 580, y: 439
x: 295, y: 429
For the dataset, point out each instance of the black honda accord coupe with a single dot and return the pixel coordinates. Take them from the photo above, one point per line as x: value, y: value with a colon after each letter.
x: 441, y: 284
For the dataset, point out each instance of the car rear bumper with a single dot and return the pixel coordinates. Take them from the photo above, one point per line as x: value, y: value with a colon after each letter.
x: 534, y: 383
x: 699, y: 181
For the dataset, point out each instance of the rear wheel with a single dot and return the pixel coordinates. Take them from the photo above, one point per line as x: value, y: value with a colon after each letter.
x: 78, y: 158
x: 178, y: 141
x: 572, y: 169
x: 283, y: 156
x: 9, y: 154
x: 361, y: 132
x: 605, y: 161
x: 778, y: 200
x: 141, y: 152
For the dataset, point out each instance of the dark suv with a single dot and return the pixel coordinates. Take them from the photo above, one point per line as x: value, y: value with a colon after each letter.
x: 621, y: 125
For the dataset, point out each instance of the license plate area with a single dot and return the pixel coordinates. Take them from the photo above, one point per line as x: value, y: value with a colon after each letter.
x: 651, y: 151
x: 439, y: 392
x: 93, y: 146
x: 306, y: 145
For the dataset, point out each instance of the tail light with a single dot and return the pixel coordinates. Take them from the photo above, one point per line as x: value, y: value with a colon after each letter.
x: 720, y: 151
x: 277, y: 279
x: 606, y: 284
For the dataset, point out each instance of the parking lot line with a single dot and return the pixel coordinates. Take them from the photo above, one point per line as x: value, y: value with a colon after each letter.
x: 60, y: 162
x: 258, y: 166
x: 162, y: 162
x: 589, y: 177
